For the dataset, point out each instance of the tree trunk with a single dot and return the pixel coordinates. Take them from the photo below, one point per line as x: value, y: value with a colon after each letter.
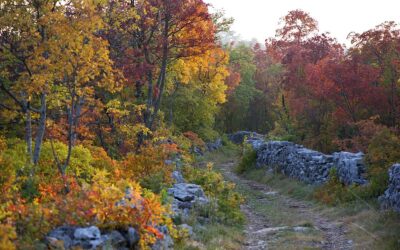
x: 41, y: 128
x: 73, y: 121
x: 163, y: 71
x: 28, y: 131
x: 60, y: 167
x: 394, y: 105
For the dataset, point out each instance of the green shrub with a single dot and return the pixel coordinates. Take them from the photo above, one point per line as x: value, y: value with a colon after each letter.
x: 80, y: 162
x: 383, y: 152
x: 333, y: 192
x: 225, y: 201
x: 226, y: 141
x: 248, y: 160
x: 154, y: 182
x: 83, y: 162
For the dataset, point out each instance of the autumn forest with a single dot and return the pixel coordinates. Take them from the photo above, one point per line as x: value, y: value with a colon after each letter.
x: 103, y: 102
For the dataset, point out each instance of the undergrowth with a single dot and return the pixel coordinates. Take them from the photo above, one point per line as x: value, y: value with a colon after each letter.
x: 248, y: 159
x: 225, y: 201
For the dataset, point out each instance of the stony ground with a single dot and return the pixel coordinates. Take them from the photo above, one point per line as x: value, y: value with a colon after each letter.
x: 276, y: 221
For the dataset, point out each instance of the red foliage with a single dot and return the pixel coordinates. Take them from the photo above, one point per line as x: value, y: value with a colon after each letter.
x: 233, y: 80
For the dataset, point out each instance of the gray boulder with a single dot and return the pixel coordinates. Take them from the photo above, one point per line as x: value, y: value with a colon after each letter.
x: 213, y: 146
x: 255, y: 142
x: 187, y: 192
x: 169, y: 162
x: 115, y: 239
x: 185, y: 197
x: 166, y: 242
x: 87, y: 233
x: 64, y: 234
x: 176, y: 160
x: 350, y: 167
x: 197, y: 151
x: 391, y: 198
x: 178, y: 177
x: 133, y: 237
x: 88, y: 237
x: 238, y: 137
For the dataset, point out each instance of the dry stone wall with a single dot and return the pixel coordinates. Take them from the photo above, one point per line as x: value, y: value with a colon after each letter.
x: 308, y: 165
x: 391, y: 198
x: 304, y: 164
x: 314, y: 167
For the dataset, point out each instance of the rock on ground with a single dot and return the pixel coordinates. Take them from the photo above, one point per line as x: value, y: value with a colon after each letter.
x: 178, y: 177
x: 68, y: 237
x: 166, y: 242
x: 185, y: 197
x: 215, y: 145
x: 391, y: 198
x: 238, y: 137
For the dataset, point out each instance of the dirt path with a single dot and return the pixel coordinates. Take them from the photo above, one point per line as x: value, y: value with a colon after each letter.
x: 276, y: 221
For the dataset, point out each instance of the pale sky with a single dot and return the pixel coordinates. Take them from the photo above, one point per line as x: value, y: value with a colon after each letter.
x: 259, y: 18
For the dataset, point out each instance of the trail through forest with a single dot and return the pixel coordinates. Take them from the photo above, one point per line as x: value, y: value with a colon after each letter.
x: 276, y: 221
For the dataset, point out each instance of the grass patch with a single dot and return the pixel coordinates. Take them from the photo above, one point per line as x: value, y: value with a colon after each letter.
x: 282, y: 183
x: 286, y: 240
x: 212, y: 235
x: 229, y: 152
x: 369, y: 227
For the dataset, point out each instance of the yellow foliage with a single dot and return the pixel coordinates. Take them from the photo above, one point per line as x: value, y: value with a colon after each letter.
x: 7, y: 235
x: 7, y: 170
x: 206, y: 72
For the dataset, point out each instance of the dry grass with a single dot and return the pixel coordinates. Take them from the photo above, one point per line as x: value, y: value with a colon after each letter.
x: 214, y: 236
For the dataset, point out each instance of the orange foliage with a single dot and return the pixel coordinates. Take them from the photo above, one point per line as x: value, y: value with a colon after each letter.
x: 149, y: 162
x: 365, y: 130
x: 106, y: 203
x: 194, y: 139
x: 101, y: 160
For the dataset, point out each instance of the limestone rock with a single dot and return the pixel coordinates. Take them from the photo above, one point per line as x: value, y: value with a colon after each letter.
x: 212, y: 146
x: 350, y: 167
x: 185, y: 197
x: 391, y: 198
x: 186, y: 192
x: 295, y: 161
x: 166, y: 242
x: 238, y: 137
x: 88, y: 237
x: 67, y: 238
x: 116, y: 239
x: 133, y: 237
x: 177, y: 176
x: 197, y: 151
x: 64, y: 234
x: 308, y: 165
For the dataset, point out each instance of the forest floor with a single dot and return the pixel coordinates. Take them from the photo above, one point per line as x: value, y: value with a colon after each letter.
x: 281, y: 214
